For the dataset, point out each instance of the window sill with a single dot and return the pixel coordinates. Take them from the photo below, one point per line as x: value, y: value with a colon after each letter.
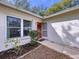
x: 14, y: 38
x: 24, y: 37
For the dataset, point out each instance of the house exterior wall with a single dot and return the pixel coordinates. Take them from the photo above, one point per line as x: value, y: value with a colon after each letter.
x: 6, y: 11
x: 55, y: 29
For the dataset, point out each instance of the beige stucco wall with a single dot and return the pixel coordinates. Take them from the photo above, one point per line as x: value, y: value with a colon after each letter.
x: 70, y: 39
x: 6, y: 11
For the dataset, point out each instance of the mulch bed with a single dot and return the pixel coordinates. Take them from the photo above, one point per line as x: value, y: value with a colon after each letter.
x: 9, y: 54
x: 44, y: 52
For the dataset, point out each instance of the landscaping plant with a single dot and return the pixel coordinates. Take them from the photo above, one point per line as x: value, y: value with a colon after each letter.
x: 33, y: 35
x: 16, y: 44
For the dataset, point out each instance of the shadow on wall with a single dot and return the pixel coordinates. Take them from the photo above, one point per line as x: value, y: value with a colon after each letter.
x: 68, y: 32
x: 56, y: 38
x: 71, y: 36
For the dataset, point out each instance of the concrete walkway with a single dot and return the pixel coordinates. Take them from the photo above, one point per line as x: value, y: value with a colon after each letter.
x: 72, y: 52
x: 43, y: 52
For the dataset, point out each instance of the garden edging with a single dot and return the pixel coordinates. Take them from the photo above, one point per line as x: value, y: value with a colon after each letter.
x: 28, y: 52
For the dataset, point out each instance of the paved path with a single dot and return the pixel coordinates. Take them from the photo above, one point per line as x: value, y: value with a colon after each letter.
x: 72, y: 52
x: 43, y: 52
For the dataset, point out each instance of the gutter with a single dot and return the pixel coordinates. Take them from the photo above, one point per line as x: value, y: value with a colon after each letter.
x: 19, y: 9
x: 62, y: 12
x: 33, y: 14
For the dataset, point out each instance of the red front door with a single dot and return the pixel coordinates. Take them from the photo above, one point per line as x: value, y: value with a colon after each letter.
x: 39, y: 29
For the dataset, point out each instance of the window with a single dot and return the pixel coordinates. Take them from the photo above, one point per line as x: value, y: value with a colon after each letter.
x: 44, y: 29
x: 26, y: 27
x: 13, y: 27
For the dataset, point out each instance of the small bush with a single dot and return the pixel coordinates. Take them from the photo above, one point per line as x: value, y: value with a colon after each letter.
x: 33, y: 34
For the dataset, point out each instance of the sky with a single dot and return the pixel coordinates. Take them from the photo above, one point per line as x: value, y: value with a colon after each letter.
x: 44, y: 3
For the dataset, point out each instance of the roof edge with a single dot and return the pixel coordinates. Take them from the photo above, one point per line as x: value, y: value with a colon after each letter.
x: 62, y: 12
x: 20, y: 9
x: 33, y: 14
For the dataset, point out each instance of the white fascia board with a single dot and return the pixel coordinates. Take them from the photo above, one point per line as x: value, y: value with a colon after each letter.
x: 33, y: 14
x: 62, y: 12
x: 20, y: 9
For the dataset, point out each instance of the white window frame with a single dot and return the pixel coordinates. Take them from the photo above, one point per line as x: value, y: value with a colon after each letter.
x: 44, y: 30
x: 30, y: 27
x: 13, y: 27
x: 21, y: 28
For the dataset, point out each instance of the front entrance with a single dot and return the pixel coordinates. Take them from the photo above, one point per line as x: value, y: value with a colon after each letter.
x: 39, y: 29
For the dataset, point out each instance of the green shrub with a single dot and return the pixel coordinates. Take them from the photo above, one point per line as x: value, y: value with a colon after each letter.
x: 33, y: 34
